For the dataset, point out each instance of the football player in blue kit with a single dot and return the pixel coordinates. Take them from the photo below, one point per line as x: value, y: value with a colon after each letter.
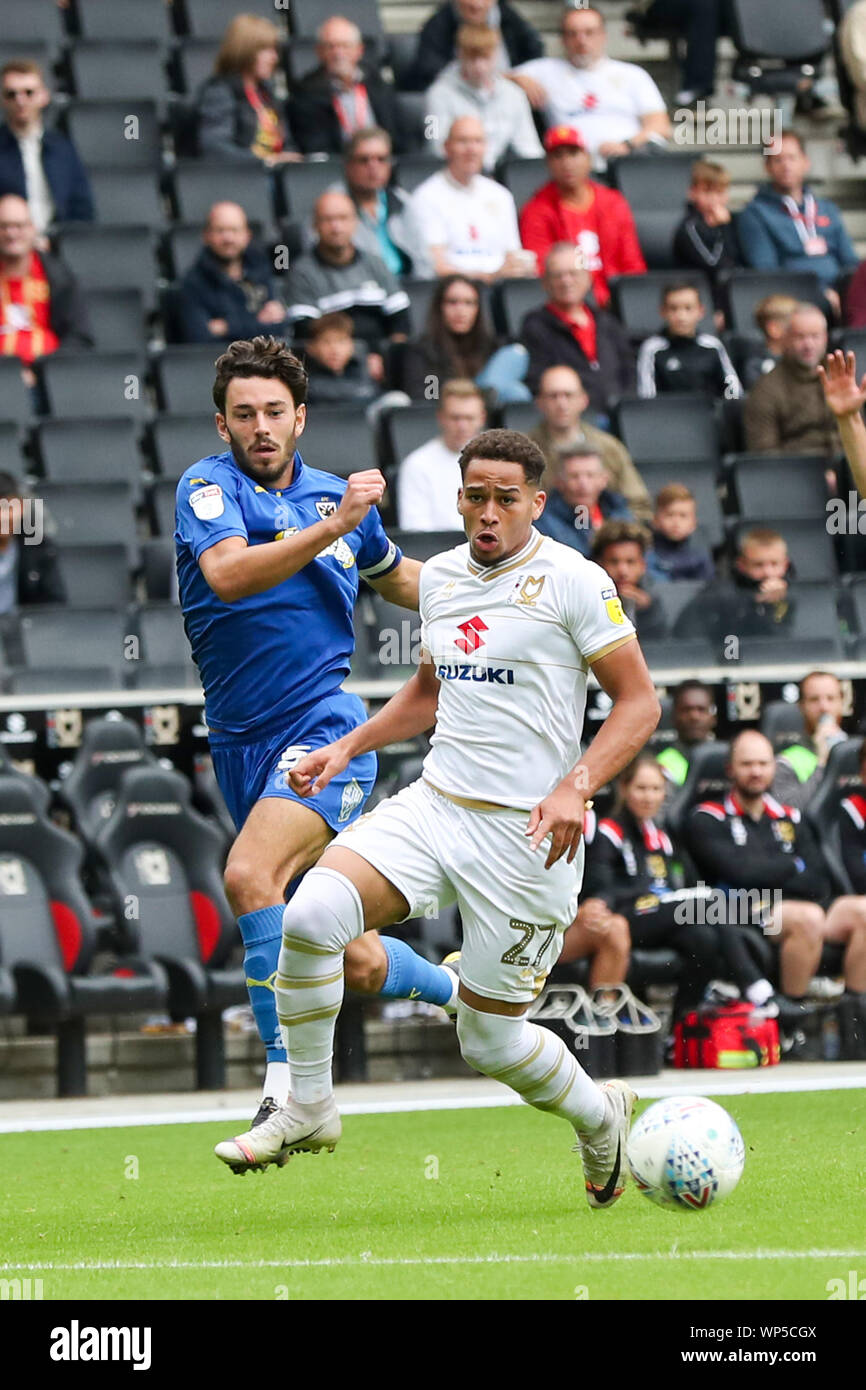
x: 269, y: 553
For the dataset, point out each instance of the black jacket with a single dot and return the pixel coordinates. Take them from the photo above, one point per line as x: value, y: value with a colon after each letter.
x: 550, y: 343
x: 227, y: 123
x: 206, y: 292
x: 852, y: 832
x: 354, y: 386
x: 436, y: 43
x: 314, y: 120
x: 698, y: 246
x: 64, y: 171
x: 731, y: 607
x: 777, y: 851
x: 629, y: 860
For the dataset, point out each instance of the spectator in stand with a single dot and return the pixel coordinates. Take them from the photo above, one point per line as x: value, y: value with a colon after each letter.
x: 676, y: 553
x: 800, y: 766
x: 632, y: 869
x: 29, y: 572
x: 429, y: 478
x: 41, y: 305
x: 852, y: 827
x: 694, y: 720
x: 785, y: 411
x: 470, y: 222
x: 459, y: 342
x: 473, y: 87
x: 749, y: 840
x: 785, y: 227
x: 597, y: 934
x: 228, y: 292
x: 616, y: 106
x: 387, y: 226
x: 706, y: 239
x: 579, y: 500
x: 574, y: 208
x: 772, y: 315
x: 701, y: 22
x: 38, y: 164
x: 342, y: 95
x: 756, y: 602
x: 238, y: 117
x: 336, y: 366
x: 620, y: 547
x: 336, y: 275
x: 561, y: 401
x: 566, y: 332
x: 682, y: 359
x: 437, y: 41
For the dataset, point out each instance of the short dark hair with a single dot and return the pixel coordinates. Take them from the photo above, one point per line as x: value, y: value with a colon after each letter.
x: 677, y: 286
x: 577, y: 451
x: 770, y: 146
x: 506, y: 446
x: 330, y: 323
x: 686, y: 687
x: 619, y: 533
x: 259, y: 356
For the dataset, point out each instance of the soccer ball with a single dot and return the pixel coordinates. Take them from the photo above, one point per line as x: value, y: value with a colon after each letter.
x: 686, y: 1152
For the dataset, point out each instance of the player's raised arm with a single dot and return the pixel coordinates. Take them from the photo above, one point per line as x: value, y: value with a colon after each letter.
x: 234, y: 569
x: 411, y: 711
x: 400, y: 585
x: 846, y: 398
x: 624, y: 676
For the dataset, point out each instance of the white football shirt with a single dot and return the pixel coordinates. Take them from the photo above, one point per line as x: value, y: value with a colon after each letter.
x: 512, y: 645
x: 476, y: 222
x: 604, y: 103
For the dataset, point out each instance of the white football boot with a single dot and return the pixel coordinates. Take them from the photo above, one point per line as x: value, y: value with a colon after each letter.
x: 603, y: 1152
x: 292, y: 1128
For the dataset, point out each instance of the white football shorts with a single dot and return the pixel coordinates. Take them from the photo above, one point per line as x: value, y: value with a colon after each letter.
x: 514, y: 910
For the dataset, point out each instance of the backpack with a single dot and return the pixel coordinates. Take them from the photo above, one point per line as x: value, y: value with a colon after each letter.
x: 726, y: 1036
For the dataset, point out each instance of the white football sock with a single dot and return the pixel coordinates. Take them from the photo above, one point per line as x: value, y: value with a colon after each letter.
x: 533, y: 1061
x: 324, y: 915
x: 276, y: 1083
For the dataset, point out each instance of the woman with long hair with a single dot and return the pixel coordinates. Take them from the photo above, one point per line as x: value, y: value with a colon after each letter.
x: 237, y: 109
x: 459, y: 342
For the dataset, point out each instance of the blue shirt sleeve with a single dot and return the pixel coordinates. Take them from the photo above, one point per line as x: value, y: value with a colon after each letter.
x: 206, y: 514
x: 378, y: 555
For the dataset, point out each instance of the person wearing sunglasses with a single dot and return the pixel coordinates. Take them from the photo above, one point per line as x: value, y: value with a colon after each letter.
x: 36, y: 163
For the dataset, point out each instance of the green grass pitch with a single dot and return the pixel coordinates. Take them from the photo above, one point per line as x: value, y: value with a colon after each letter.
x: 459, y: 1204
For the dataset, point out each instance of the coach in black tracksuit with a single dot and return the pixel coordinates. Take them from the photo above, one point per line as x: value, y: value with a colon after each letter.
x: 749, y: 840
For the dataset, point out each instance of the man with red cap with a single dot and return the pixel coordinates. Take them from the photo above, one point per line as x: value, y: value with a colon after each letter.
x: 573, y: 207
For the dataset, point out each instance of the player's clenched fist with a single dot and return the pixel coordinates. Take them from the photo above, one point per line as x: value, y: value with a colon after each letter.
x: 560, y: 815
x: 312, y: 773
x: 363, y: 491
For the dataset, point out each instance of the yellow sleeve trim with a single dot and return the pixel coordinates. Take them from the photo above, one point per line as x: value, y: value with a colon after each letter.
x: 611, y: 647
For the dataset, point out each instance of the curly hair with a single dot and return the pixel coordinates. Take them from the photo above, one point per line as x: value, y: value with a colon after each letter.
x: 506, y: 446
x: 260, y: 356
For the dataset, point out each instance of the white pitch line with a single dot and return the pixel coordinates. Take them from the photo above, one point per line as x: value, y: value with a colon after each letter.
x: 738, y: 1085
x: 368, y: 1260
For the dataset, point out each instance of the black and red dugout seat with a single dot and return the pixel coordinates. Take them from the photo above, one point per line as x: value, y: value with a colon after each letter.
x: 164, y: 862
x: 48, y: 936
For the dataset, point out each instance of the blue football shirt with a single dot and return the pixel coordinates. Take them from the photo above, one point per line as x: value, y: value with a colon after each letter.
x: 267, y: 658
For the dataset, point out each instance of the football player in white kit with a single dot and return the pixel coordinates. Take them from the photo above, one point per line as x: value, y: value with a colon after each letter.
x: 511, y: 624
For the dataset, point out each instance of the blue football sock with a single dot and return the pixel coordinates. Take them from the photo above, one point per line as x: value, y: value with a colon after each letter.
x: 262, y: 934
x: 410, y: 976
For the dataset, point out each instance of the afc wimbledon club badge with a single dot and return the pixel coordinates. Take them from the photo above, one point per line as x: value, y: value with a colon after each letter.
x: 207, y: 502
x: 326, y: 507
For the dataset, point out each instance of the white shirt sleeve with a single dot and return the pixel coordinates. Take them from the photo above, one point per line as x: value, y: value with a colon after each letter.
x: 430, y: 215
x: 524, y: 139
x: 593, y: 612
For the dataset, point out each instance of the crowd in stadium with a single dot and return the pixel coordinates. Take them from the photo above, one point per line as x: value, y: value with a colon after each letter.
x: 456, y: 230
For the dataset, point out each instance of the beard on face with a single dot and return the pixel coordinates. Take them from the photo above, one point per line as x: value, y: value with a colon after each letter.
x: 262, y: 470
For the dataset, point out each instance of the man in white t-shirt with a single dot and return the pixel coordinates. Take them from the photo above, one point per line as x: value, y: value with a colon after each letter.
x: 429, y: 478
x: 616, y: 107
x: 469, y: 220
x: 512, y: 622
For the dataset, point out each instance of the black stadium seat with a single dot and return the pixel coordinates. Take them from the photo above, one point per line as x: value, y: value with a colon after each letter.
x: 512, y: 300
x: 700, y: 480
x: 109, y: 748
x: 115, y: 132
x: 122, y: 196
x: 48, y: 936
x: 413, y: 169
x: 15, y: 402
x: 192, y: 63
x: 158, y: 569
x: 184, y: 378
x: 156, y: 847
x: 163, y: 640
x: 338, y: 441
x: 822, y: 810
x: 122, y: 20
x: 110, y: 257
x: 38, y: 21
x: 117, y: 320
x: 209, y: 19
x: 394, y: 637
x: 706, y: 780
x: 636, y: 300
x: 74, y: 637
x: 198, y: 184
x: 301, y: 58
x: 88, y: 451
x: 787, y: 486
x: 523, y: 178
x: 64, y: 680
x: 810, y: 548
x: 743, y: 290
x: 782, y: 723
x: 78, y: 385
x: 91, y: 513
x: 117, y: 70
x: 669, y: 429
x: 408, y: 428
x: 655, y: 186
x: 89, y: 574
x: 11, y: 460
x: 177, y: 441
x: 778, y: 45
x: 307, y: 15
x: 303, y: 184
x: 813, y: 637
x: 423, y: 545
x: 162, y: 502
